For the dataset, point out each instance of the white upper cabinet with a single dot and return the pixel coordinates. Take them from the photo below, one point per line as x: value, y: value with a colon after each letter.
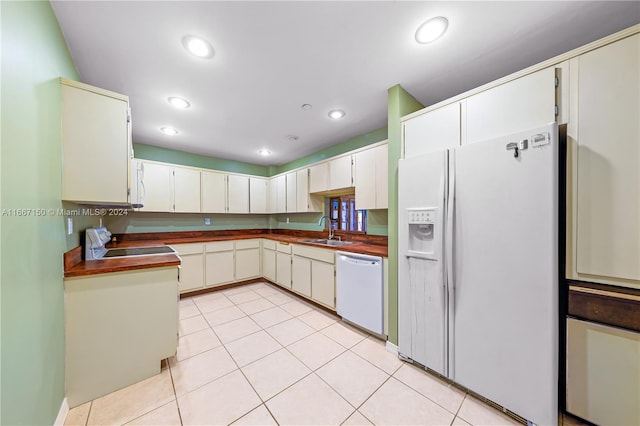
x: 305, y: 201
x: 340, y: 172
x: 605, y: 137
x: 238, y: 194
x: 292, y: 192
x: 280, y: 184
x: 224, y: 193
x: 258, y: 193
x: 158, y: 188
x: 214, y: 192
x: 170, y: 189
x: 319, y: 177
x: 96, y: 145
x: 436, y: 130
x: 186, y: 190
x: 371, y: 167
x: 273, y: 196
x: 518, y: 105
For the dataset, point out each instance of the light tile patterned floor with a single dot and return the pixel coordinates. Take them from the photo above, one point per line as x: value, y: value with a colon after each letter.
x: 258, y: 355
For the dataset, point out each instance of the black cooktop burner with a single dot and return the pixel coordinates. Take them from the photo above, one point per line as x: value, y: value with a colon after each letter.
x: 138, y: 251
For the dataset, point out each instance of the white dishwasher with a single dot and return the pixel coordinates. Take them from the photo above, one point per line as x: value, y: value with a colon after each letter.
x: 359, y: 291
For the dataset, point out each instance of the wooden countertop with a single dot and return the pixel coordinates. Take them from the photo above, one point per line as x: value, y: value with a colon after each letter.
x: 79, y: 268
x: 74, y: 266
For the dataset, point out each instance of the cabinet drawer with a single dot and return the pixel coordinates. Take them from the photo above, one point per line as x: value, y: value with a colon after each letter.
x: 219, y: 246
x: 327, y: 256
x: 247, y: 244
x: 284, y: 248
x: 195, y: 248
x: 269, y: 244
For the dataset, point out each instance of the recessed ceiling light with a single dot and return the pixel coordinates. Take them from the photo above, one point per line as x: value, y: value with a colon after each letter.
x: 431, y: 30
x: 336, y: 114
x: 169, y: 130
x: 264, y: 152
x: 307, y: 107
x: 293, y: 138
x: 180, y: 103
x: 198, y: 47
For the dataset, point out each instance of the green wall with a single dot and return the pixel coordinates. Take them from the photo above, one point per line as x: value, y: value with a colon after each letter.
x: 400, y: 103
x: 154, y: 153
x: 180, y: 222
x: 34, y: 55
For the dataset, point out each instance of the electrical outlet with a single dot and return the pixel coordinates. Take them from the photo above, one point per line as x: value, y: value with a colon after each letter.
x: 207, y: 221
x: 287, y: 219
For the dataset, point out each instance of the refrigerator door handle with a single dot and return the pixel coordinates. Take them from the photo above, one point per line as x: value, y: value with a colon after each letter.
x: 448, y: 260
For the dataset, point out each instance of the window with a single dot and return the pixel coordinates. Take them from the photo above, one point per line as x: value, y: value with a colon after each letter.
x: 344, y: 216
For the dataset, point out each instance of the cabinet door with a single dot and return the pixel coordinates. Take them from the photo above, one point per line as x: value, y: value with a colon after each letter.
x: 96, y: 145
x: 258, y: 191
x: 301, y: 275
x: 366, y: 179
x: 158, y: 188
x: 518, y: 105
x: 302, y: 190
x: 191, y: 272
x: 283, y: 269
x: 323, y: 288
x: 269, y: 264
x: 214, y: 192
x: 247, y: 264
x: 238, y: 194
x: 187, y: 190
x: 603, y: 373
x: 219, y: 268
x: 436, y: 130
x: 281, y: 194
x: 382, y: 176
x: 319, y: 177
x: 608, y: 162
x: 273, y: 196
x: 340, y: 173
x: 292, y: 191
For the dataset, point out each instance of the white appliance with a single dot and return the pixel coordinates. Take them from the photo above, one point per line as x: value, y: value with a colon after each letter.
x: 478, y: 268
x: 359, y: 290
x: 137, y: 184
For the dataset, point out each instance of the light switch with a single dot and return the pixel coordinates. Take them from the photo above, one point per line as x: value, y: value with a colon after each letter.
x: 69, y: 225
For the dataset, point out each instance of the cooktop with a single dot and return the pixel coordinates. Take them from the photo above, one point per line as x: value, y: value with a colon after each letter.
x: 138, y: 251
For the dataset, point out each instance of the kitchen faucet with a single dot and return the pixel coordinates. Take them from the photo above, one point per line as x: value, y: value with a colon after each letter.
x: 327, y: 220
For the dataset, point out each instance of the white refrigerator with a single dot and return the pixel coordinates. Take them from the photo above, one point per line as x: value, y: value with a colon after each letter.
x: 478, y: 268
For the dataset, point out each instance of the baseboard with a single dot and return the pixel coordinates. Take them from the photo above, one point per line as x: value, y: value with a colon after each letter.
x: 62, y: 414
x: 392, y: 348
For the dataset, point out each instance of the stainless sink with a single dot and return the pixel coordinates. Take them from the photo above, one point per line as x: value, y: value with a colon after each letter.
x: 326, y: 242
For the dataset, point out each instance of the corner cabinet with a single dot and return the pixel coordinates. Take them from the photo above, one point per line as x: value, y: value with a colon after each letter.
x: 96, y: 145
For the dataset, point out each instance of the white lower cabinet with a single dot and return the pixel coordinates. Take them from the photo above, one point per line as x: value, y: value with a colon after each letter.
x: 603, y: 373
x: 283, y: 264
x: 192, y: 266
x: 105, y: 349
x: 313, y: 274
x: 323, y: 283
x: 247, y: 261
x: 269, y: 260
x: 219, y: 263
x: 301, y: 275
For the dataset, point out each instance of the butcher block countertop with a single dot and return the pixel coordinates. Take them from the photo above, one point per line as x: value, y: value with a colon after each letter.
x: 75, y: 266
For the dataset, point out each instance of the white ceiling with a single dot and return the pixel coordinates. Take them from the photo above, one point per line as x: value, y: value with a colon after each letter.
x: 272, y: 57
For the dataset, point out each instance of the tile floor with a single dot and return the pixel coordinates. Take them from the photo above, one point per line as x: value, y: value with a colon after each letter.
x: 258, y: 355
